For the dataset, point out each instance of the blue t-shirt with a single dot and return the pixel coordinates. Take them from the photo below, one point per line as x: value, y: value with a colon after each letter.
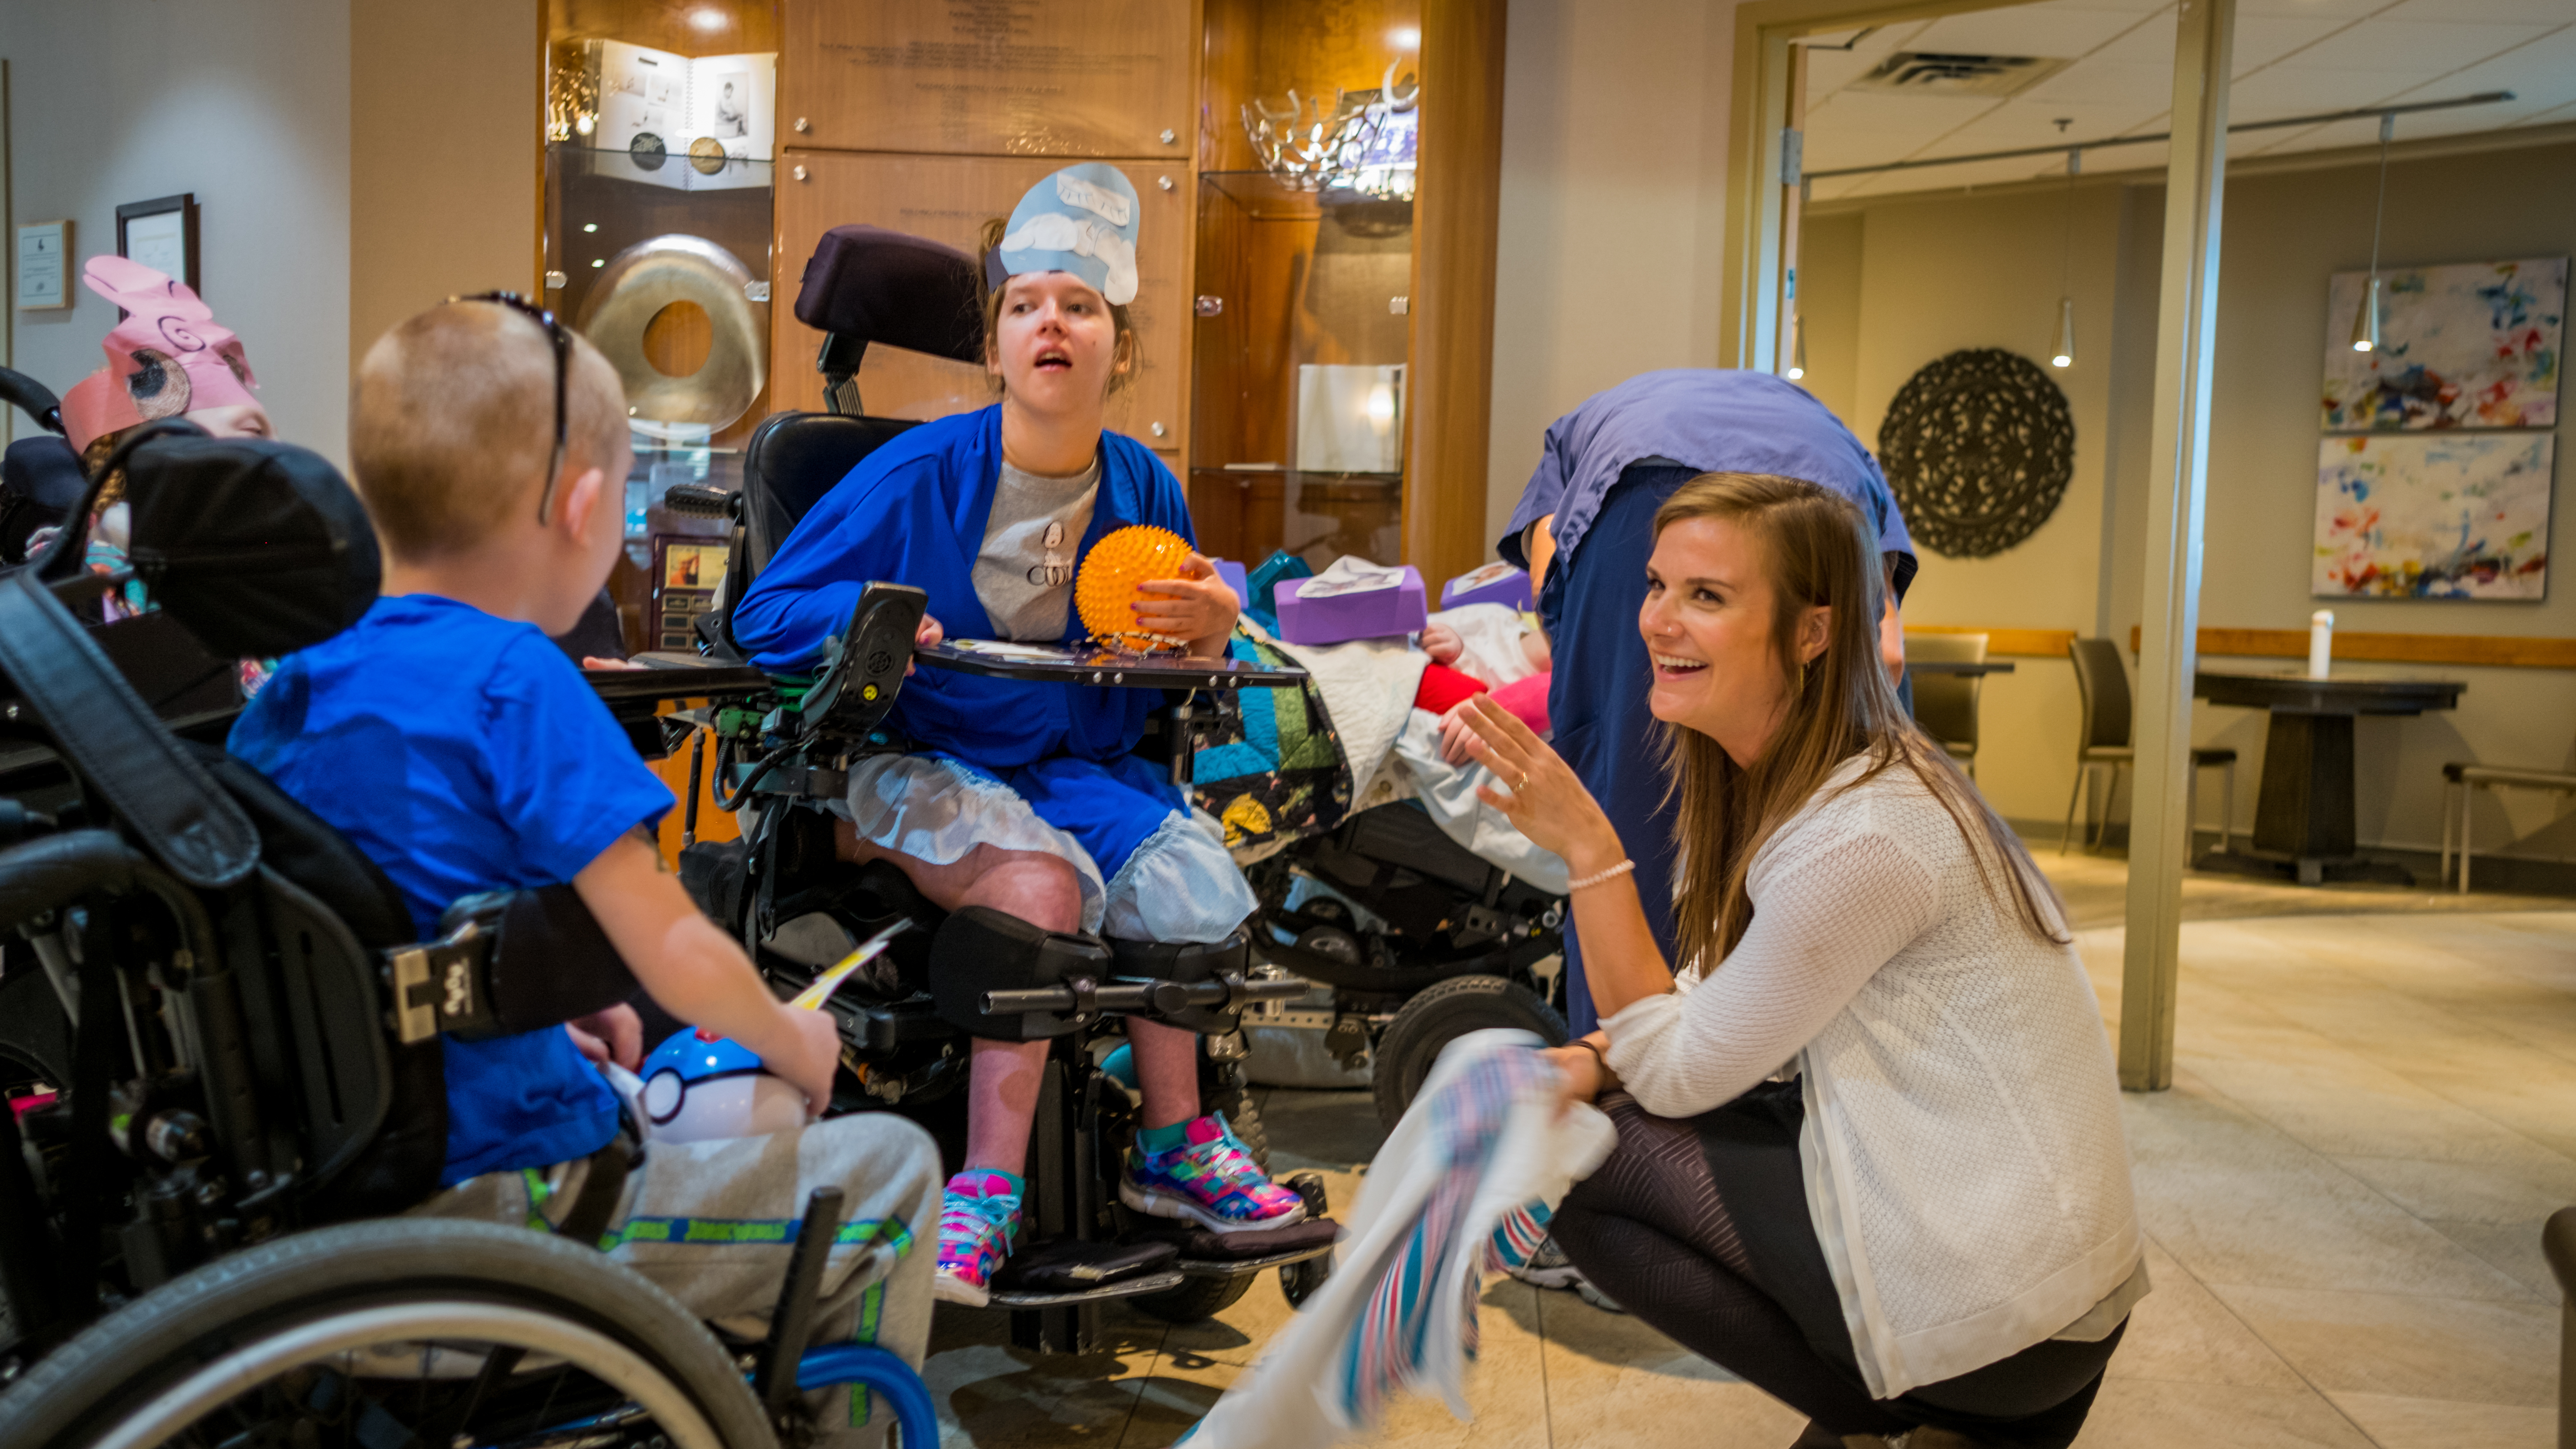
x: 464, y: 753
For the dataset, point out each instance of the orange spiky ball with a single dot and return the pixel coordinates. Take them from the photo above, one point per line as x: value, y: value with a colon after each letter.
x: 1105, y: 589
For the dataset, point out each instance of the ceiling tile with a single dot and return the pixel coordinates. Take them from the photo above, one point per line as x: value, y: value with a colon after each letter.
x: 2025, y: 30
x: 2101, y: 82
x: 2535, y: 12
x: 2406, y: 46
x: 2542, y: 71
x: 2307, y: 9
x: 1829, y: 70
x: 2028, y: 123
x: 2283, y: 91
x: 2261, y: 41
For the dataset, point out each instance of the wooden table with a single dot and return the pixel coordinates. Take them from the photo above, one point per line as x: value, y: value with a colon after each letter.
x: 1957, y: 666
x: 2303, y: 816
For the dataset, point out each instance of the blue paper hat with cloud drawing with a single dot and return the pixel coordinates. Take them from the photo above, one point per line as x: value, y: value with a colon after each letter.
x: 1080, y: 220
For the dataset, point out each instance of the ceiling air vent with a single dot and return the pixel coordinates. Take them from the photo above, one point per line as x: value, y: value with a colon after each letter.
x: 1935, y: 73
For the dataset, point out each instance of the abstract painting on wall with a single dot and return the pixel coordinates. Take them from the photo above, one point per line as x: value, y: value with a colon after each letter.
x: 2444, y: 516
x: 2471, y: 346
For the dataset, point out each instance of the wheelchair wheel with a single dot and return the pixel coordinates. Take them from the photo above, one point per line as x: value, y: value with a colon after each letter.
x: 374, y: 1334
x: 1440, y: 1015
x: 1197, y: 1300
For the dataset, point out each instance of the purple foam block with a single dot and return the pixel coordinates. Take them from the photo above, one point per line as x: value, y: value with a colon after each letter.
x: 1334, y: 618
x: 1495, y: 583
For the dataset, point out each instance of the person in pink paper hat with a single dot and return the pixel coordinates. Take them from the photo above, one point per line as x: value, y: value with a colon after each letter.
x: 168, y: 358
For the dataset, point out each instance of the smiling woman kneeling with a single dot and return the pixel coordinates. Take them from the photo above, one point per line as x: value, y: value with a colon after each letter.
x: 1870, y: 1155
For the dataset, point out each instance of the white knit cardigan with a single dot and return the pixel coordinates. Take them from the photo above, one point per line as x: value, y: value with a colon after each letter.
x: 1965, y: 1165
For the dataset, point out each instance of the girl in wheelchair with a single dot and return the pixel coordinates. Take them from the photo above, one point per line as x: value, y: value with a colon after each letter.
x: 1026, y: 798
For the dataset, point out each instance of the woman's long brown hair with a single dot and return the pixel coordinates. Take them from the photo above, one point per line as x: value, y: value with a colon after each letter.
x: 1819, y: 550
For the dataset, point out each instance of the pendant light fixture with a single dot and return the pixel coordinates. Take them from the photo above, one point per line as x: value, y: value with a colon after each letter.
x: 2365, y: 322
x: 1797, y: 346
x: 2063, y: 354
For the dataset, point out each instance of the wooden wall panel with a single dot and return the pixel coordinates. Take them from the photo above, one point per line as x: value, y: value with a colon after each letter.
x: 2508, y: 650
x: 1457, y: 209
x: 1078, y: 78
x: 948, y: 199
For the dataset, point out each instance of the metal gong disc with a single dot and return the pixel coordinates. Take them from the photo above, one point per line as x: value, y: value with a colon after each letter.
x: 651, y: 275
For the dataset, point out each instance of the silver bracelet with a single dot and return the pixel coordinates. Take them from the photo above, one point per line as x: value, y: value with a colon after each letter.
x: 1613, y: 873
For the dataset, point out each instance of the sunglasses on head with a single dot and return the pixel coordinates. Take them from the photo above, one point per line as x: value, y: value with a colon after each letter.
x: 561, y: 336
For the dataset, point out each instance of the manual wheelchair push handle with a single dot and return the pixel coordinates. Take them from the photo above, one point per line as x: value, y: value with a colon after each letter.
x: 1085, y: 997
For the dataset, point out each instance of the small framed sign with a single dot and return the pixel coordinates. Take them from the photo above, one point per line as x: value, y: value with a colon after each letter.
x: 161, y: 234
x: 44, y: 267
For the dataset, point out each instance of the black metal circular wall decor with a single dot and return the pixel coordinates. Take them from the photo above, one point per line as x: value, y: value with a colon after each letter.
x: 1978, y: 447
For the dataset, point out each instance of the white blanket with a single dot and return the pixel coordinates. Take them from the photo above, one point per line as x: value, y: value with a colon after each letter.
x: 1448, y: 793
x: 1368, y: 687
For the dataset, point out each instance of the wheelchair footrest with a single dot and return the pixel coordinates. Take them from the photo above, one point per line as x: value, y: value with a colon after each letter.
x: 1205, y: 1254
x: 1123, y: 1288
x: 1071, y: 1266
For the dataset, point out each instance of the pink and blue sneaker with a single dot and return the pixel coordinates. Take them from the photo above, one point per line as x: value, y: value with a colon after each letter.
x: 1209, y: 1178
x: 980, y: 1210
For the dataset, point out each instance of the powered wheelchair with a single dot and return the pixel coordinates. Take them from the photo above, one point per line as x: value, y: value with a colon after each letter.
x: 1403, y: 938
x: 780, y: 749
x: 219, y: 1059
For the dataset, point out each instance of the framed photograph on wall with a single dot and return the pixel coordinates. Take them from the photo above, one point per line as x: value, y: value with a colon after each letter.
x: 44, y: 274
x: 161, y: 234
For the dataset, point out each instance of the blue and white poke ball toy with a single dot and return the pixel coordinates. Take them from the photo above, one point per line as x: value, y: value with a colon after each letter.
x: 699, y: 1087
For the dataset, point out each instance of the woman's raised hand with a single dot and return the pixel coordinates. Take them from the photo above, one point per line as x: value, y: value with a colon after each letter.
x: 1540, y: 795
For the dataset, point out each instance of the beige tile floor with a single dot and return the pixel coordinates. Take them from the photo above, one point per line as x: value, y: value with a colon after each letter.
x: 2374, y: 1109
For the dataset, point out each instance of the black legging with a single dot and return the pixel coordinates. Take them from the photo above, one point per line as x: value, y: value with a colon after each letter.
x: 1700, y: 1228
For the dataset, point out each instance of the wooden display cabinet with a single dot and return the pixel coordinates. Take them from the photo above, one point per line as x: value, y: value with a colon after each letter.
x: 1292, y: 285
x: 1074, y: 79
x: 948, y: 199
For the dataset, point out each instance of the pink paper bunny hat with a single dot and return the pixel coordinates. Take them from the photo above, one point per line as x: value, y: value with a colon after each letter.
x: 166, y: 358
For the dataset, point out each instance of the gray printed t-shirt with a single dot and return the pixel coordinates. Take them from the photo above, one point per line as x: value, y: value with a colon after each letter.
x: 1024, y: 571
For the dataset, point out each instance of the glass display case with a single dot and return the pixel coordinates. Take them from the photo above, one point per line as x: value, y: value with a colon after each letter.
x: 1297, y: 428
x: 660, y: 139
x: 1305, y: 249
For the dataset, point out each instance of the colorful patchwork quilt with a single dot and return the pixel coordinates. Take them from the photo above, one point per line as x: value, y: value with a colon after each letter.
x: 1280, y: 777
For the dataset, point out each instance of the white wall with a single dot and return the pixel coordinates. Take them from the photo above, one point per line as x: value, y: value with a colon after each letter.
x: 1932, y: 275
x: 1613, y: 203
x: 245, y: 104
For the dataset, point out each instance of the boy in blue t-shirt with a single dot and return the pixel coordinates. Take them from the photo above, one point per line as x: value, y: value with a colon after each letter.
x: 458, y: 748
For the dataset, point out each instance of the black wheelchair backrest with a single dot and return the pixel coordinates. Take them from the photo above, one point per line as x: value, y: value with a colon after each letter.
x: 792, y: 461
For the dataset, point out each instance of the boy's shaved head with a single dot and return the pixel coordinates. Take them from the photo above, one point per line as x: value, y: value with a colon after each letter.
x: 452, y: 421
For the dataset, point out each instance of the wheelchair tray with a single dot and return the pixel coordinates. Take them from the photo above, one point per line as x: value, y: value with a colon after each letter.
x: 1124, y: 1288
x: 1090, y: 664
x: 673, y: 676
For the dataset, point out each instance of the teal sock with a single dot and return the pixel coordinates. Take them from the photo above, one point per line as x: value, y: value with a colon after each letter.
x: 980, y: 1182
x: 1150, y: 1140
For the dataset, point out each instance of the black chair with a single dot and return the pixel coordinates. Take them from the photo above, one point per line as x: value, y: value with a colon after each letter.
x: 1945, y: 705
x: 2103, y: 681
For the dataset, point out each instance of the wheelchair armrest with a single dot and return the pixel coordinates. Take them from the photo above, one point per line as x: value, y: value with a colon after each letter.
x: 507, y: 962
x: 864, y: 667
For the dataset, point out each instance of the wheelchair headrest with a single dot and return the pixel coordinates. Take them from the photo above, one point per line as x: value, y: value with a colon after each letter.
x: 872, y: 285
x: 258, y: 548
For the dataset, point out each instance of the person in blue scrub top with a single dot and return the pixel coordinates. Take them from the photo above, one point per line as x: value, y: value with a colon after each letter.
x: 1026, y: 797
x: 1584, y: 528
